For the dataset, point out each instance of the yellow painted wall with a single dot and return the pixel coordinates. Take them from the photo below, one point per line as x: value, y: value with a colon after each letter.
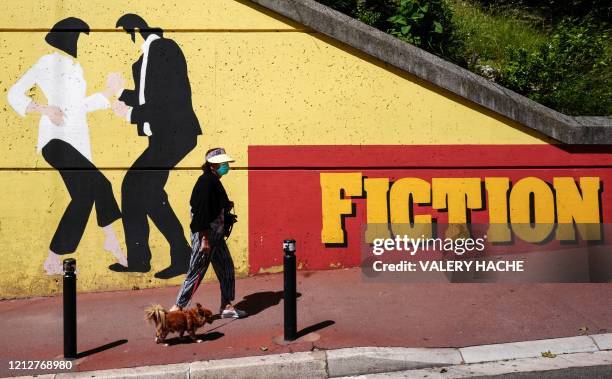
x: 257, y: 79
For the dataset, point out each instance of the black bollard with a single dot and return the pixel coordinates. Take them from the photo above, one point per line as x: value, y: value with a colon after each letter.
x: 290, y: 291
x: 70, y: 318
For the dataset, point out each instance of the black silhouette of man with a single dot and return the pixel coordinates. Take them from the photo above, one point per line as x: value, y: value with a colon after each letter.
x: 161, y: 107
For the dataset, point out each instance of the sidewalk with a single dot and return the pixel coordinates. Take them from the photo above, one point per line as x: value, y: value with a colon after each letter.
x: 571, y: 357
x: 336, y: 307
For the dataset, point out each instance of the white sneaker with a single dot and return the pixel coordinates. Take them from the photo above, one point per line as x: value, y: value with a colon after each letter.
x: 233, y: 313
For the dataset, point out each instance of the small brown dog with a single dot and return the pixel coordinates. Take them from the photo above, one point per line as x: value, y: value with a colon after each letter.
x: 177, y: 321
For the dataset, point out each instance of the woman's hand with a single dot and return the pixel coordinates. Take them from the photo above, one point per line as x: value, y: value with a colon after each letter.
x: 54, y: 113
x: 204, y: 243
x: 120, y: 108
x: 114, y: 83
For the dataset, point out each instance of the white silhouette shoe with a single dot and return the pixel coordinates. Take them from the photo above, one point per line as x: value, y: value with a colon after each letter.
x: 112, y: 245
x: 53, y: 264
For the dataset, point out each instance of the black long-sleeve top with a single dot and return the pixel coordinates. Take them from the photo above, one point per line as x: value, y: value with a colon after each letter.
x: 208, y: 198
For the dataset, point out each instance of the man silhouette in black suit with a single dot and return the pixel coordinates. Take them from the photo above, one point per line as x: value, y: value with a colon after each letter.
x: 160, y: 106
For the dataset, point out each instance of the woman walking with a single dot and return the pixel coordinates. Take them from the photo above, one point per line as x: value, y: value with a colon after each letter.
x: 209, y: 207
x: 63, y: 139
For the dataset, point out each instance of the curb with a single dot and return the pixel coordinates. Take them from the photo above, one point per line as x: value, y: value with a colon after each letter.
x: 578, y: 365
x: 582, y: 355
x: 368, y: 360
x: 518, y: 350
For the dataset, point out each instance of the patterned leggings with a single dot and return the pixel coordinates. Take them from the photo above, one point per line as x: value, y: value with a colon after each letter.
x: 222, y: 263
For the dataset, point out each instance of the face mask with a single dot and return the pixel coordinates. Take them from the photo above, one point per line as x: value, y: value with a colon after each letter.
x: 223, y: 169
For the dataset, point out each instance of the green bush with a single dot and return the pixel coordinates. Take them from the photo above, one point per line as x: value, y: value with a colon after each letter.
x: 371, y: 12
x: 554, y: 11
x: 570, y: 72
x: 423, y: 23
x: 420, y: 23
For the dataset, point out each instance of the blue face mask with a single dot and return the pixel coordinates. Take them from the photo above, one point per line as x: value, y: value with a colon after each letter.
x: 223, y: 169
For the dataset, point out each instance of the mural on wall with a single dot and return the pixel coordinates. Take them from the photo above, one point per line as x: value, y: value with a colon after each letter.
x: 160, y: 105
x: 339, y: 110
x: 63, y: 139
x: 161, y: 108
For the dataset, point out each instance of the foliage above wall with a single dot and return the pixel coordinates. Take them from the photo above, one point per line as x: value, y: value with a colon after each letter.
x: 556, y: 54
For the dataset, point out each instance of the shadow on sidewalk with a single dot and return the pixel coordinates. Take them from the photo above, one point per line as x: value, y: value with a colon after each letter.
x: 211, y: 336
x: 259, y: 301
x: 101, y: 348
x: 315, y: 327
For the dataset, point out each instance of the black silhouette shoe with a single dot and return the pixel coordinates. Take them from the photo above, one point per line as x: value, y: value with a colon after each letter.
x: 121, y: 268
x: 175, y: 269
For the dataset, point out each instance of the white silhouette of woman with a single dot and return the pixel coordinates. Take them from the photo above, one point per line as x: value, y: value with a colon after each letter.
x: 63, y: 139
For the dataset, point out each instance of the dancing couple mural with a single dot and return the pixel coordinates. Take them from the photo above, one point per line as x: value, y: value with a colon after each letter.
x: 161, y: 108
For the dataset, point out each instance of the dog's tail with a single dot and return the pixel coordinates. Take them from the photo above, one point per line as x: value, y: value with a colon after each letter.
x: 156, y: 314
